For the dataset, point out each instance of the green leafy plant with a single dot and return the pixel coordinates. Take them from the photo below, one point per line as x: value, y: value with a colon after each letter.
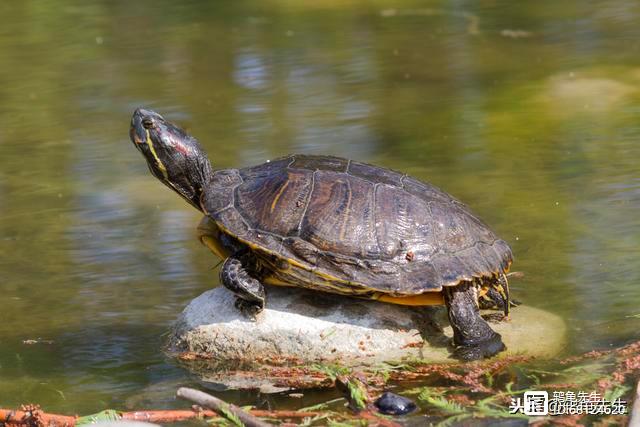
x: 233, y: 418
x: 103, y: 416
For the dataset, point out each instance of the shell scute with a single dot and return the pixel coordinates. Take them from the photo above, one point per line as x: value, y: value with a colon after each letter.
x: 323, y: 163
x: 348, y: 227
x: 378, y: 175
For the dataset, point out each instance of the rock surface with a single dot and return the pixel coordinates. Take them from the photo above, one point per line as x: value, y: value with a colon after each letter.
x: 305, y: 327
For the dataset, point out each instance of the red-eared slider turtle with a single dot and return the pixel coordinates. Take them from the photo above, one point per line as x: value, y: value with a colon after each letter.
x: 337, y: 226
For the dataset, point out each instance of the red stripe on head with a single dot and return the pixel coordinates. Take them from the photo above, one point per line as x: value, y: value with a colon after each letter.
x: 181, y: 147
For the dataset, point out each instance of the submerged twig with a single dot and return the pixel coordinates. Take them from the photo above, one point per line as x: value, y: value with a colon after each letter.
x: 223, y: 408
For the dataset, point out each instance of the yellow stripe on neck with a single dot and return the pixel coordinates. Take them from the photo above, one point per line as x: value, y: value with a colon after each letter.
x: 155, y: 155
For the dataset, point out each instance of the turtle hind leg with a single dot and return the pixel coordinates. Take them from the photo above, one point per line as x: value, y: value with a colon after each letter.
x: 236, y: 275
x: 472, y: 336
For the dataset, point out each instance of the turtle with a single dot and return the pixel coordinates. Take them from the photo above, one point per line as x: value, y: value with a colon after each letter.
x: 339, y: 226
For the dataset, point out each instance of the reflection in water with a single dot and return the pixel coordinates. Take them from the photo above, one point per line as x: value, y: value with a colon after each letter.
x: 538, y: 134
x: 252, y: 75
x: 325, y: 113
x: 251, y: 70
x: 605, y: 261
x: 469, y: 95
x: 295, y: 95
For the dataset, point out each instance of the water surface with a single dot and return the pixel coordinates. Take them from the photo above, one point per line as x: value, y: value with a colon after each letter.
x: 530, y: 114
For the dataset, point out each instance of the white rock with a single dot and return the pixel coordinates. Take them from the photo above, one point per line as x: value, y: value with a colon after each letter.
x: 306, y: 327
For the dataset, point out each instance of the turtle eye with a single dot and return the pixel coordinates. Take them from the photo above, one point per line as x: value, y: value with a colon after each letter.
x: 147, y: 123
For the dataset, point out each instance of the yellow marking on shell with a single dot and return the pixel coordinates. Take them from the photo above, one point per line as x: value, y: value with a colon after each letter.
x: 327, y: 277
x: 159, y: 163
x: 273, y: 280
x: 209, y: 236
x: 277, y: 279
x: 275, y: 200
x: 290, y: 261
x: 215, y: 246
x: 427, y: 298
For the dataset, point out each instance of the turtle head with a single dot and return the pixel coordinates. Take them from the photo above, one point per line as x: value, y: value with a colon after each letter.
x: 173, y: 156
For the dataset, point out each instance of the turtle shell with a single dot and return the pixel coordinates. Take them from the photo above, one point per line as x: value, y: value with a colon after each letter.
x: 348, y: 227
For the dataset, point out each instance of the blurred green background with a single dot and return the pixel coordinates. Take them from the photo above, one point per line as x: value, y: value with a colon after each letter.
x: 528, y: 112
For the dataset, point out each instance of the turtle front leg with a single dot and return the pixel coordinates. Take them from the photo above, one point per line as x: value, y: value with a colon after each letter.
x: 472, y: 336
x: 236, y: 275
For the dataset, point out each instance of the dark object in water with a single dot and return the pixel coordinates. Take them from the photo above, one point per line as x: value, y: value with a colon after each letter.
x: 393, y: 404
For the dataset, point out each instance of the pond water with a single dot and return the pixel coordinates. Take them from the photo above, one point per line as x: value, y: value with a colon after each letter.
x: 529, y: 114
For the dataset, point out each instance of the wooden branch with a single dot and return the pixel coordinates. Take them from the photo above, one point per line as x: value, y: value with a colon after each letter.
x: 170, y: 416
x: 33, y: 416
x: 220, y: 406
x: 30, y: 418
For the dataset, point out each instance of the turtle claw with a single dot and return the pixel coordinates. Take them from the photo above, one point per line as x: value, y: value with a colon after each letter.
x: 482, y: 350
x: 249, y: 309
x: 494, y: 317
